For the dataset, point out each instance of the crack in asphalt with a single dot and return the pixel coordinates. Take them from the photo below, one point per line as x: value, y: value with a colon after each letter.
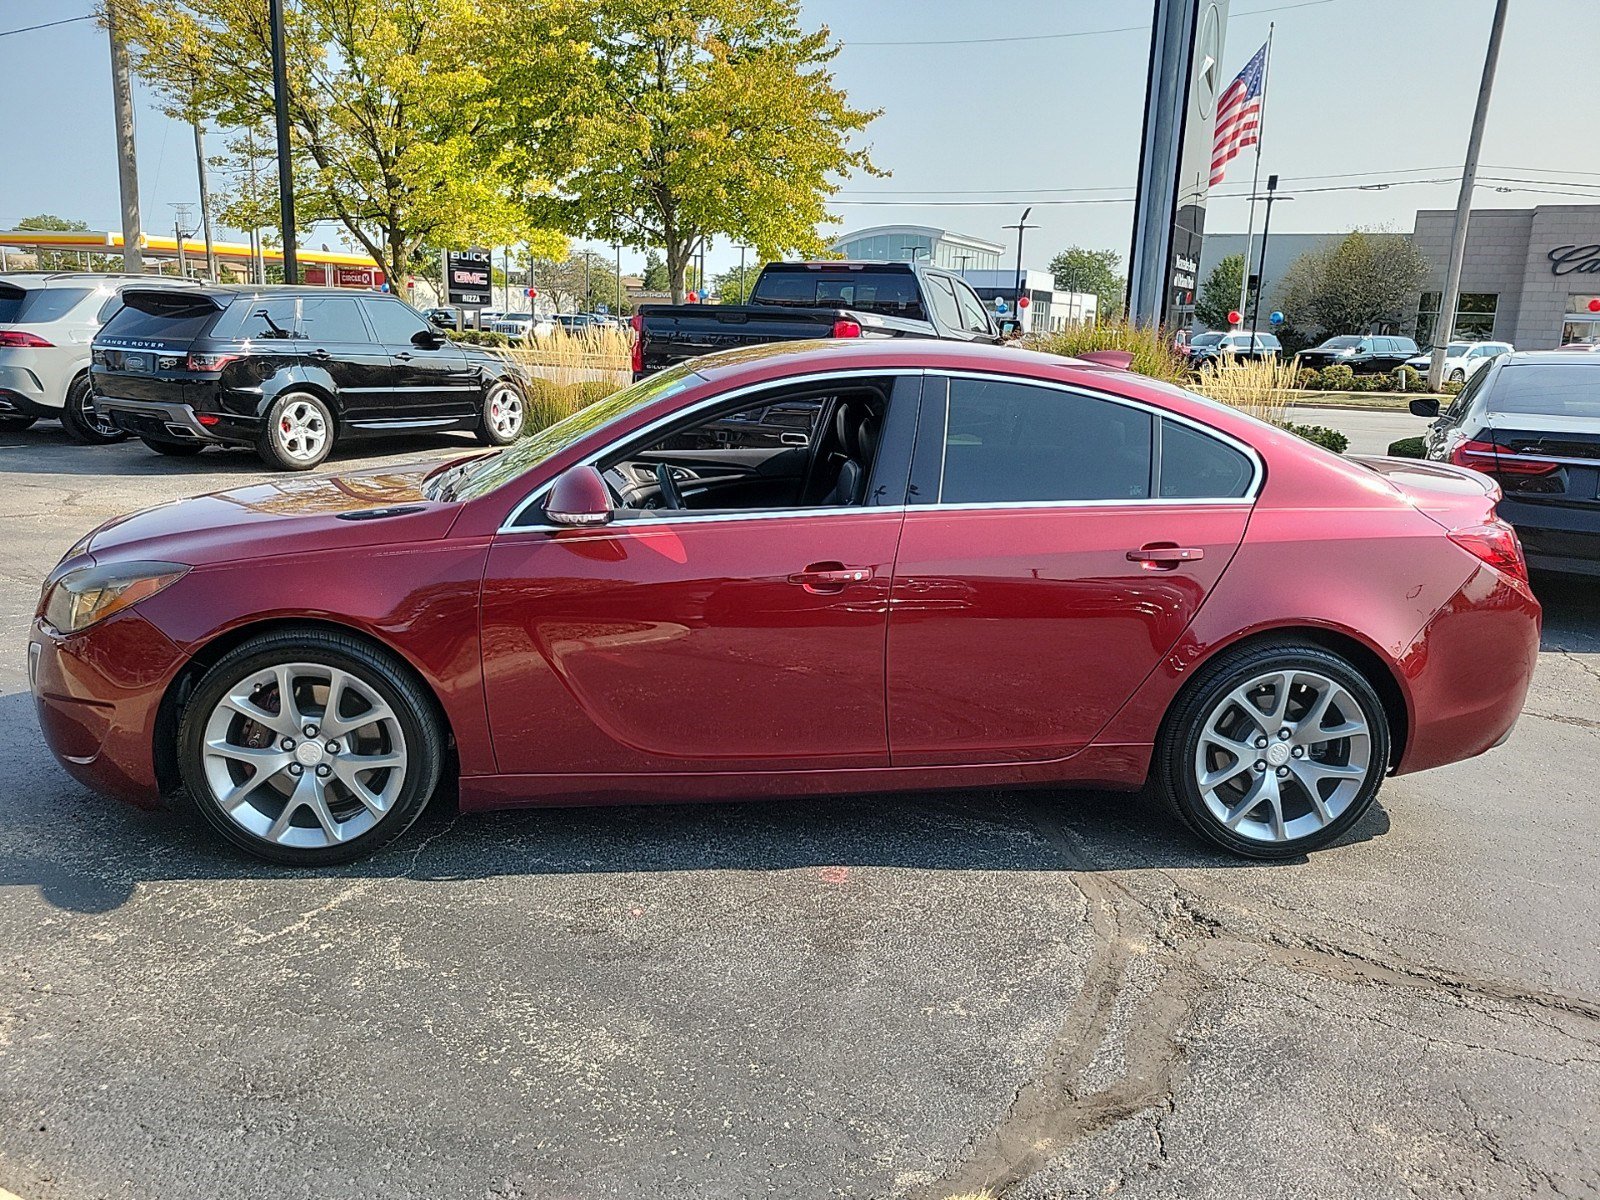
x: 1051, y: 1110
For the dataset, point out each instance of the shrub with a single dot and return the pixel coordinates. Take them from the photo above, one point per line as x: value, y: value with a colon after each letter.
x: 1337, y: 378
x: 482, y: 337
x: 549, y: 401
x: 1407, y: 448
x: 1321, y: 435
x: 1411, y: 379
x: 1306, y: 378
x: 1451, y: 386
x: 1151, y: 348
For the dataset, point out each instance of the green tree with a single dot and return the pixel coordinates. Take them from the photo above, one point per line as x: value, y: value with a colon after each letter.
x: 654, y: 275
x: 684, y: 119
x: 731, y: 288
x: 395, y: 136
x: 1078, y: 269
x: 1219, y: 294
x: 1353, y: 286
x: 577, y: 282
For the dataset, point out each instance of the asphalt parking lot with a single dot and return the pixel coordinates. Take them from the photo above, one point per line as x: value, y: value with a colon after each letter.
x: 1041, y: 994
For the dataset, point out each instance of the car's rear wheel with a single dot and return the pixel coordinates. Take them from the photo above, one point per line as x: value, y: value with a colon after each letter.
x: 81, y: 420
x: 1458, y: 376
x: 175, y: 449
x: 298, y: 433
x: 1274, y: 750
x: 503, y: 414
x: 309, y: 748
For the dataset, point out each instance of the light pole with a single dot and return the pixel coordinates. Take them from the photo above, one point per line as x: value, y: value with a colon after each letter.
x: 1019, y: 227
x: 180, y: 218
x: 619, y: 279
x: 1261, y: 268
x: 280, y: 106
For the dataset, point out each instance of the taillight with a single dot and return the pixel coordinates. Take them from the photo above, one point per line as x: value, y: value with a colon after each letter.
x: 637, y: 321
x: 1497, y: 544
x: 208, y: 419
x: 844, y: 327
x: 17, y: 339
x: 1497, y: 460
x: 210, y: 362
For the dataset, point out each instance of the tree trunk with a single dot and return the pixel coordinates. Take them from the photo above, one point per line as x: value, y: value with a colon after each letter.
x: 677, y: 268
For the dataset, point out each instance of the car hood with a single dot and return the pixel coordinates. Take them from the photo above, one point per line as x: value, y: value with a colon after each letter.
x: 293, y: 515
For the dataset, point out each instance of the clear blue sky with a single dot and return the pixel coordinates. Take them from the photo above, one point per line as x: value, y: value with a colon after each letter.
x: 1378, y: 86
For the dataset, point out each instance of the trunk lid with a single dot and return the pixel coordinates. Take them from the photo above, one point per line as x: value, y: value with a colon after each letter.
x: 1453, y: 497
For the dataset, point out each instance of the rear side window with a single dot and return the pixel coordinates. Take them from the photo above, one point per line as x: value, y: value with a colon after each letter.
x: 1195, y: 466
x: 972, y: 314
x: 37, y: 306
x: 260, y: 318
x: 1017, y: 443
x: 153, y: 316
x: 332, y: 319
x: 1551, y: 389
x: 943, y: 298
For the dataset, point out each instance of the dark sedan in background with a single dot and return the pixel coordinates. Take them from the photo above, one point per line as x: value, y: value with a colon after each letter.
x: 1532, y: 421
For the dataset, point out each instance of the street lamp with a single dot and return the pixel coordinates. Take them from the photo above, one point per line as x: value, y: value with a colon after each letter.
x: 1019, y: 227
x: 1261, y: 268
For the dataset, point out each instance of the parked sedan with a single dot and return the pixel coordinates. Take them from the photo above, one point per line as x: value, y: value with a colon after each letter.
x: 1531, y: 422
x: 984, y: 568
x: 1365, y: 354
x: 290, y: 371
x: 1462, y: 359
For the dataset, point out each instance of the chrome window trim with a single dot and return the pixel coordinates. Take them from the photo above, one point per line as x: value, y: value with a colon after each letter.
x: 1199, y: 427
x: 510, y: 525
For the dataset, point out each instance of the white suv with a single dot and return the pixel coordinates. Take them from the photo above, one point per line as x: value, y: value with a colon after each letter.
x: 1462, y: 360
x: 47, y: 321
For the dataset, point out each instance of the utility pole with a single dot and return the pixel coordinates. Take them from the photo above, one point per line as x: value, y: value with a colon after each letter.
x: 744, y: 296
x: 619, y: 279
x: 127, y: 162
x: 205, y: 196
x: 1445, y: 326
x: 280, y: 105
x: 180, y: 218
x: 1019, y: 227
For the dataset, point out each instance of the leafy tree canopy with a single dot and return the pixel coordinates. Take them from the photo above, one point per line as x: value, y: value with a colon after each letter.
x: 1219, y: 294
x: 1079, y: 269
x: 1353, y: 286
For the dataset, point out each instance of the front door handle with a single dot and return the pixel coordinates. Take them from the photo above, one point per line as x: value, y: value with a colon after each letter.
x: 1163, y: 556
x: 320, y: 354
x: 405, y: 354
x: 828, y: 577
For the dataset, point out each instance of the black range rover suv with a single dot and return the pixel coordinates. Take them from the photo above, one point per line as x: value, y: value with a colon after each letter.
x: 290, y: 370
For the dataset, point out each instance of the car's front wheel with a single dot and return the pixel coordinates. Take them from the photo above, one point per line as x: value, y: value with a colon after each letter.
x: 1274, y: 750
x: 503, y: 415
x: 82, y: 422
x: 1458, y: 376
x: 298, y: 433
x: 309, y: 747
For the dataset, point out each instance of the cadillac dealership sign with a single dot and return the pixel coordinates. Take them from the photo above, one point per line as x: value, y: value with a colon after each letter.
x: 1575, y: 260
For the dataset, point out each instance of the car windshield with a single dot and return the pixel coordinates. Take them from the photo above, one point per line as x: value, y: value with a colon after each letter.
x: 1341, y: 343
x: 1206, y: 339
x: 1457, y: 349
x: 483, y: 475
x: 1548, y: 389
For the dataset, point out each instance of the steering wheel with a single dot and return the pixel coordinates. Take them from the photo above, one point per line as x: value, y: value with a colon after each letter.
x: 668, y: 483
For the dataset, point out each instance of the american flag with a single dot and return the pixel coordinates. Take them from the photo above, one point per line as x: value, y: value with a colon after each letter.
x: 1238, y: 115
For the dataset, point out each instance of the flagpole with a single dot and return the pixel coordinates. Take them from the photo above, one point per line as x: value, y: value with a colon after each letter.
x: 1255, y: 179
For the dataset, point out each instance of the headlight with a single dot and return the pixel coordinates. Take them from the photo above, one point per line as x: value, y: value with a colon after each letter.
x: 80, y: 598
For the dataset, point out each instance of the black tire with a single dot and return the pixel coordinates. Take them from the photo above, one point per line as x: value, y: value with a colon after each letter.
x: 276, y: 445
x: 16, y: 424
x: 1458, y: 376
x: 384, y: 673
x: 1173, y: 777
x: 502, y: 415
x: 80, y: 420
x: 174, y: 449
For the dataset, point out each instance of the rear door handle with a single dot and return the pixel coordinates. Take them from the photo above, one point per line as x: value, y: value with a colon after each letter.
x: 1165, y: 555
x: 406, y: 354
x: 826, y: 577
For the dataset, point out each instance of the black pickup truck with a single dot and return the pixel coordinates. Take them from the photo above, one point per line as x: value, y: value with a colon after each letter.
x: 791, y: 301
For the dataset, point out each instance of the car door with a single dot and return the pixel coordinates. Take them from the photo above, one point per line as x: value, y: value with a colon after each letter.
x: 431, y: 379
x: 335, y: 343
x: 1057, y: 542
x: 688, y: 643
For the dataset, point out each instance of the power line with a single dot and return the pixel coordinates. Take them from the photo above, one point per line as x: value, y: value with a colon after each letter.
x: 47, y: 25
x: 1119, y: 188
x: 1080, y: 33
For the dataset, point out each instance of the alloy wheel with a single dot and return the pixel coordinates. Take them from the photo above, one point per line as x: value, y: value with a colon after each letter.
x: 92, y: 417
x: 303, y: 755
x: 504, y: 412
x: 1283, y: 755
x: 302, y: 431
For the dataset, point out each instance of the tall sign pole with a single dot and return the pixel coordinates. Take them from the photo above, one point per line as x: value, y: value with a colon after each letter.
x: 1255, y: 179
x: 127, y: 163
x: 280, y: 107
x: 1445, y: 326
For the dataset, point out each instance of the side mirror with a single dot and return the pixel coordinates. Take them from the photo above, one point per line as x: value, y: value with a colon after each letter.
x: 427, y: 339
x: 579, y: 498
x: 1424, y: 408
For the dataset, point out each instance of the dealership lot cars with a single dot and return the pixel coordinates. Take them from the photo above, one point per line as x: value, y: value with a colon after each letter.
x: 906, y: 997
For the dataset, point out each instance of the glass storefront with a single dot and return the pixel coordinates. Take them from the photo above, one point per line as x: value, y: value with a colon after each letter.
x: 1581, y: 324
x: 908, y: 246
x: 1474, y: 317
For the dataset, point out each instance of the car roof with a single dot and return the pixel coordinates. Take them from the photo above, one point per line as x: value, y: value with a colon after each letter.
x: 1544, y: 358
x: 48, y: 279
x: 233, y: 291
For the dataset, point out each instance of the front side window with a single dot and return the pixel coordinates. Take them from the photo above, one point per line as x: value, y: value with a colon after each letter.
x: 1009, y: 443
x: 972, y: 314
x: 393, y: 322
x: 943, y: 298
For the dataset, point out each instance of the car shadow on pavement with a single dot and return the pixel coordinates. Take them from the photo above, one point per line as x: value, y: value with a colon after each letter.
x: 1571, y: 613
x: 87, y: 853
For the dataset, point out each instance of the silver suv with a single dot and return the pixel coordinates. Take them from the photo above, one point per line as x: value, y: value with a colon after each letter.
x: 47, y: 321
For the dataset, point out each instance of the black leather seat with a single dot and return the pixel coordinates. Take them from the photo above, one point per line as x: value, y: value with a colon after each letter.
x: 855, y: 431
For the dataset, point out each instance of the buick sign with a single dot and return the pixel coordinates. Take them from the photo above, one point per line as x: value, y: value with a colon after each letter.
x: 1575, y: 260
x: 467, y: 278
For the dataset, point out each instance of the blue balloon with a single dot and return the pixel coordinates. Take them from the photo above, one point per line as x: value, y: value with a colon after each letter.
x: 1275, y: 317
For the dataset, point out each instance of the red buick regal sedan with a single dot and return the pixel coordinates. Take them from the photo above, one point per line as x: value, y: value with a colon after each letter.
x: 831, y: 567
